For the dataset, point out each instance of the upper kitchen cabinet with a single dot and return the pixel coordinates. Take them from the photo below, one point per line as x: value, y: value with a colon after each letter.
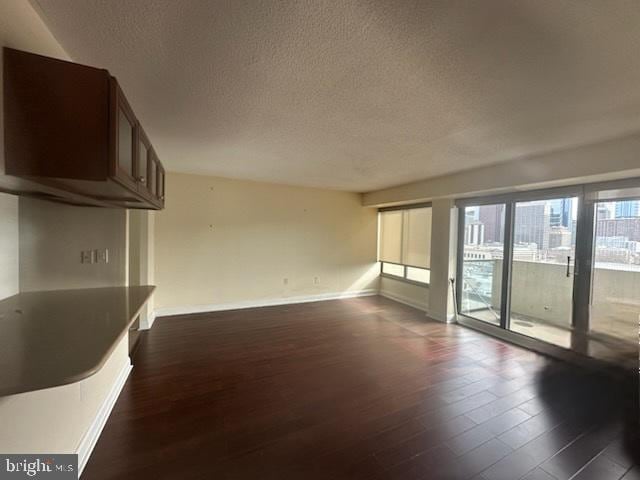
x: 70, y: 135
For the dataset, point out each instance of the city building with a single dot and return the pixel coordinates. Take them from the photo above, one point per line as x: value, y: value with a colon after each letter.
x: 561, y: 211
x: 559, y: 236
x: 619, y: 227
x: 492, y: 216
x: 628, y: 209
x: 614, y: 255
x: 533, y: 223
x: 474, y: 233
x: 604, y: 211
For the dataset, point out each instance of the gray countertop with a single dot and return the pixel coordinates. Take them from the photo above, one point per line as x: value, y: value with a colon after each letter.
x: 57, y: 337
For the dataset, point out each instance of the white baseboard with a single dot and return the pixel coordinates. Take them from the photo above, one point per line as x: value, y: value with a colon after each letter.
x: 187, y: 309
x: 91, y: 437
x: 402, y: 299
x: 437, y: 318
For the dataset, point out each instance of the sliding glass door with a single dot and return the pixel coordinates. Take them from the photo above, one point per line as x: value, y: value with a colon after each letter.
x: 543, y: 247
x: 482, y: 258
x: 517, y: 264
x: 615, y: 280
x: 560, y: 265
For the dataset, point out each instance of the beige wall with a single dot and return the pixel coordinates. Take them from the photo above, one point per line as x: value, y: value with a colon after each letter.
x: 228, y: 242
x: 409, y: 293
x: 443, y: 259
x: 53, y: 235
x: 613, y: 159
x: 8, y: 245
x: 140, y: 253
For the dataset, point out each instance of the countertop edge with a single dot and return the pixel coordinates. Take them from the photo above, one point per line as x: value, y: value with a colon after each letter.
x: 92, y: 371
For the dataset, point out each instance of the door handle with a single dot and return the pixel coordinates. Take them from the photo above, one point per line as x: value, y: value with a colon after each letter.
x: 568, y: 267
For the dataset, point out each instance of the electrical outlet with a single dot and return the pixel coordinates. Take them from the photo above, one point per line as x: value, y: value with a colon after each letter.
x: 102, y: 255
x: 316, y: 281
x: 285, y: 281
x: 86, y: 256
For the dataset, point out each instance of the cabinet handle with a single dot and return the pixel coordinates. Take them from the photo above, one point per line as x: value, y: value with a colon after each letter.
x: 140, y: 179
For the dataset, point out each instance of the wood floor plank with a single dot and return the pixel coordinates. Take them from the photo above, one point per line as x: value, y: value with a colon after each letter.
x: 362, y: 388
x: 632, y: 474
x: 601, y: 468
x: 520, y: 462
x: 566, y: 463
x: 539, y: 474
x: 488, y: 430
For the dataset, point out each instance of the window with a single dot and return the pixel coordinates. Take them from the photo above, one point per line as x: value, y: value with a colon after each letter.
x: 421, y: 275
x: 405, y: 243
x: 393, y: 269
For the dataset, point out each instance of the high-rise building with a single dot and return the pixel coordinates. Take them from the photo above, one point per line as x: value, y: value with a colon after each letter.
x: 628, y: 209
x: 603, y: 211
x: 474, y: 233
x: 492, y: 216
x: 612, y: 242
x: 619, y: 227
x: 533, y: 222
x: 560, y: 214
x: 471, y: 214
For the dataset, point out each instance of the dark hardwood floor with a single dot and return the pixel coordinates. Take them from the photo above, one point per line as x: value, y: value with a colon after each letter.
x: 359, y: 389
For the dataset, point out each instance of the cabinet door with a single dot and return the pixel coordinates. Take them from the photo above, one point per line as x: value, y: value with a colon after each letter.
x: 124, y: 149
x: 161, y: 181
x: 153, y: 174
x: 144, y: 155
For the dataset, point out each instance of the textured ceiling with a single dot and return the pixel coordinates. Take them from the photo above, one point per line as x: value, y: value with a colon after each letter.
x: 361, y: 94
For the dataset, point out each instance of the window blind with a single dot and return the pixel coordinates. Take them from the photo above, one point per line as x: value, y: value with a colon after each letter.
x: 405, y: 237
x: 417, y: 237
x: 391, y: 236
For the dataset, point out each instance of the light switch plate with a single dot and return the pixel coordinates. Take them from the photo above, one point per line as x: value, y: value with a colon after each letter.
x: 86, y: 256
x: 102, y: 255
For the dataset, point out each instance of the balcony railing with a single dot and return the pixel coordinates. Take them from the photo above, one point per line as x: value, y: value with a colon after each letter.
x: 543, y: 293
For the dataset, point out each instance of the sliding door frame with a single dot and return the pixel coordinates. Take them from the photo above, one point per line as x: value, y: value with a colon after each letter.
x: 507, y: 265
x: 613, y: 191
x: 588, y: 196
x: 582, y: 262
x: 582, y: 268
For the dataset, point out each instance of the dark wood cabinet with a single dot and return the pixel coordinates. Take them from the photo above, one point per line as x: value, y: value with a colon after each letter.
x: 71, y: 136
x: 160, y: 189
x: 153, y: 174
x: 123, y: 127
